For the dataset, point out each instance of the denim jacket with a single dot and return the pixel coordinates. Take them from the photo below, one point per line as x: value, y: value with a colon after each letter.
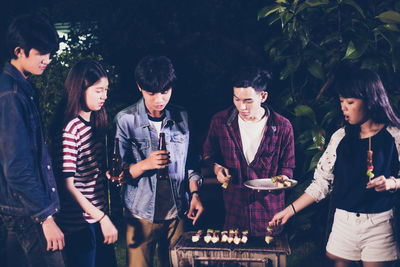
x: 27, y: 184
x: 137, y: 139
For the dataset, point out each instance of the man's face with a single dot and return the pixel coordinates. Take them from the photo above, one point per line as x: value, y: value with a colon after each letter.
x: 248, y: 103
x: 156, y: 102
x: 35, y: 63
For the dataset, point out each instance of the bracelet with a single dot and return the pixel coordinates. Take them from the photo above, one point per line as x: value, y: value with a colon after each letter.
x: 395, y: 184
x: 291, y: 204
x: 104, y: 215
x: 194, y: 192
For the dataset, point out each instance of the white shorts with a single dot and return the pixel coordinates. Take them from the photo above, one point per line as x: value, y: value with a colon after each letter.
x: 367, y: 237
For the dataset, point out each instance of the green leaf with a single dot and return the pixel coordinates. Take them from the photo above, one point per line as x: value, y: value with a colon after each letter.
x: 355, y: 5
x: 315, y: 68
x: 314, y: 161
x: 389, y: 17
x: 268, y: 10
x: 351, y: 49
x: 314, y: 3
x: 305, y: 111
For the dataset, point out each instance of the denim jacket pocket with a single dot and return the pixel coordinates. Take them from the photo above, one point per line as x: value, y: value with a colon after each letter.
x: 140, y: 148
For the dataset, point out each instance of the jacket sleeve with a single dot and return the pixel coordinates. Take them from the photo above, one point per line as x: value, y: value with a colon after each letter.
x: 211, y: 154
x: 322, y: 183
x: 18, y: 160
x: 286, y: 157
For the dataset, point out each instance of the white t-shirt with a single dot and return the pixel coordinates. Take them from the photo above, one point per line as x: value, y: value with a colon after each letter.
x: 157, y: 125
x: 251, y: 134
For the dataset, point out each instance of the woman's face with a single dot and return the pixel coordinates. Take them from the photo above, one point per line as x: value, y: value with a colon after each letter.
x: 96, y: 95
x: 354, y: 110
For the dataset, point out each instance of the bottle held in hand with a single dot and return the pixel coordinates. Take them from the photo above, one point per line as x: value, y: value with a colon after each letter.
x: 116, y: 167
x: 162, y: 173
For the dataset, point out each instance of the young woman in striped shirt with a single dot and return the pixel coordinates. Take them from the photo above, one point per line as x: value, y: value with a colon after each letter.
x: 88, y: 230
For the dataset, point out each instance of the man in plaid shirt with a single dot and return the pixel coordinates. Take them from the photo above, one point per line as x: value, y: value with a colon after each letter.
x: 250, y: 141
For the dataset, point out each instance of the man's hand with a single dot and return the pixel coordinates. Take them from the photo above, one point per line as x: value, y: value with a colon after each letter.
x: 222, y: 173
x: 196, y: 208
x: 380, y: 184
x: 54, y: 236
x: 109, y: 231
x: 158, y: 159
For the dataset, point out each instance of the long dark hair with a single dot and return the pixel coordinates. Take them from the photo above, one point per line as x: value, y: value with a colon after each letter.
x: 83, y: 75
x: 365, y: 84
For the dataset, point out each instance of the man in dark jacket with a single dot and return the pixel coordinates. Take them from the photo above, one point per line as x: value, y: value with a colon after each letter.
x: 28, y: 194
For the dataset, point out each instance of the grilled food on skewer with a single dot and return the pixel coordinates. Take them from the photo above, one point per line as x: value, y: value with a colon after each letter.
x: 230, y: 236
x: 269, y: 238
x: 197, y: 236
x: 236, y: 238
x: 244, y: 236
x: 280, y: 181
x: 215, y: 237
x: 208, y: 236
x: 224, y: 236
x: 225, y: 184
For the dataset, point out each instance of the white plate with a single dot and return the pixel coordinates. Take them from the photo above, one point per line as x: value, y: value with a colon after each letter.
x: 266, y: 184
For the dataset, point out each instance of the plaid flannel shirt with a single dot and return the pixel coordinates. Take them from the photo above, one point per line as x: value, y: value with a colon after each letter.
x: 246, y: 208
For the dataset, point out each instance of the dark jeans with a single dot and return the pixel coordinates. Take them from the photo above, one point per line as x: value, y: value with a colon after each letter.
x: 86, y: 248
x: 30, y: 237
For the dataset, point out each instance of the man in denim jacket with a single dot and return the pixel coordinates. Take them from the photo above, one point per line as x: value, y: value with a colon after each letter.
x: 28, y: 195
x: 156, y: 207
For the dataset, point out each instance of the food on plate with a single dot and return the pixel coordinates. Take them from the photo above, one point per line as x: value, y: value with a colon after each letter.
x: 197, y: 236
x: 208, y: 236
x: 280, y: 181
x: 244, y: 236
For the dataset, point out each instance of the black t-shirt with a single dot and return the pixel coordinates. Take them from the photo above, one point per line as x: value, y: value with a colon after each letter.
x: 350, y: 170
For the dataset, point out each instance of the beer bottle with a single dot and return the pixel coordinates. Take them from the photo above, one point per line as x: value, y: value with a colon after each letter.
x: 116, y: 167
x: 162, y: 173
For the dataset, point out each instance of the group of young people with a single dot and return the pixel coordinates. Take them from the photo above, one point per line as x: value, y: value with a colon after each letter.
x: 246, y: 141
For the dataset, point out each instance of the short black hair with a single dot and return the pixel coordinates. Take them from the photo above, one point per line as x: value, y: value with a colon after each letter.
x: 155, y: 74
x: 251, y: 77
x: 30, y: 31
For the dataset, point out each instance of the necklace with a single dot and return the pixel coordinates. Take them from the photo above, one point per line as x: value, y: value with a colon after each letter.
x: 370, y: 167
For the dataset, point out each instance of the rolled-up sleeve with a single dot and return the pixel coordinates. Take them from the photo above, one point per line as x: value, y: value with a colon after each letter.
x: 321, y: 185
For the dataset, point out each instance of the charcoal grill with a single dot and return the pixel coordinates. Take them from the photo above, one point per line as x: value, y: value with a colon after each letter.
x: 254, y: 253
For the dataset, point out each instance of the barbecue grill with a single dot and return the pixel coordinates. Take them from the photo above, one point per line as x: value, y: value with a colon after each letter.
x: 254, y: 253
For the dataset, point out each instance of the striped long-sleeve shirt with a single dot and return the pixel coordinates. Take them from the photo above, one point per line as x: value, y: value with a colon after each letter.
x: 81, y: 160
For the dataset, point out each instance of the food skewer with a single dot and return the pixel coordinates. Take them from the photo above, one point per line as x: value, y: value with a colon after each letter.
x: 269, y: 238
x: 230, y: 236
x: 208, y: 236
x: 244, y: 236
x: 370, y: 167
x: 215, y: 237
x: 236, y: 238
x: 197, y: 236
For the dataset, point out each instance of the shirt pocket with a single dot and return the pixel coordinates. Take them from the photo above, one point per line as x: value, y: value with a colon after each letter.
x: 177, y: 146
x: 140, y: 148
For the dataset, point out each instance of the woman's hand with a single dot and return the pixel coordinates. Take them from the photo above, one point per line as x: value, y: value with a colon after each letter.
x: 380, y: 184
x: 109, y: 231
x: 282, y: 217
